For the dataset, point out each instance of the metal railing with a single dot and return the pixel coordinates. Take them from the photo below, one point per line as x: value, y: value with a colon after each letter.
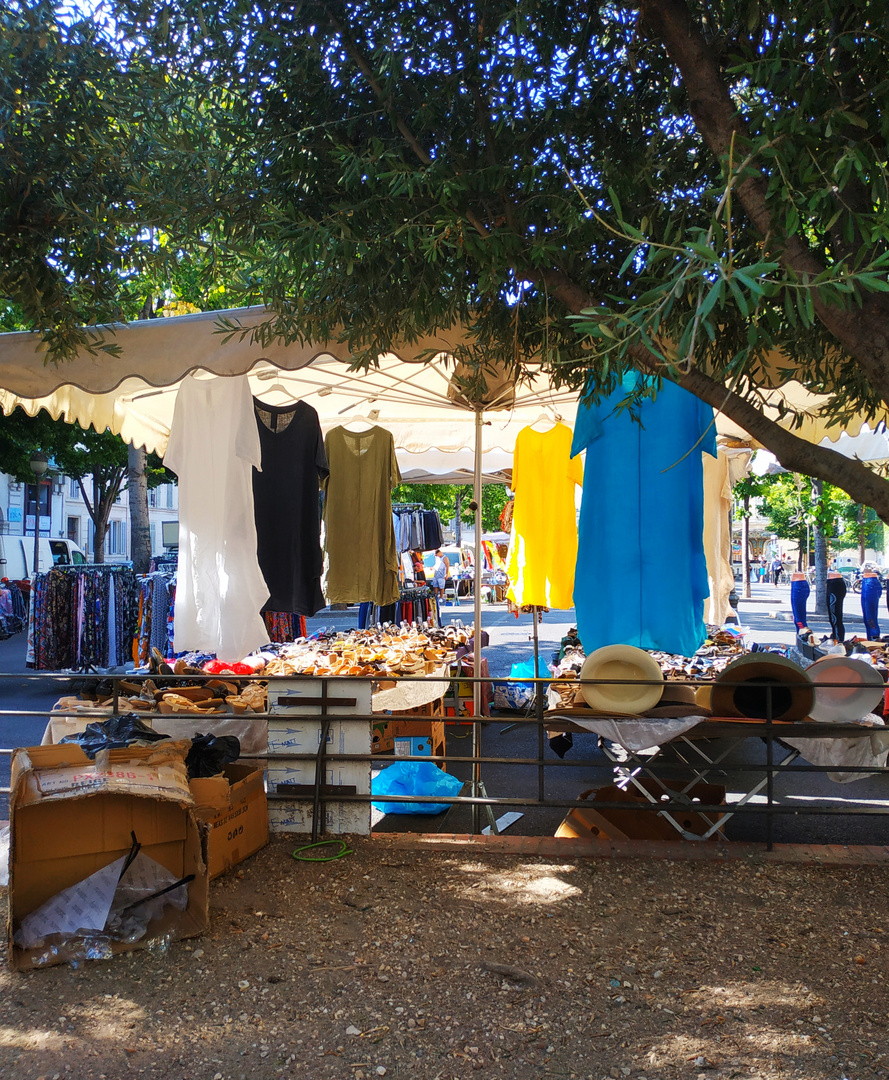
x: 665, y: 784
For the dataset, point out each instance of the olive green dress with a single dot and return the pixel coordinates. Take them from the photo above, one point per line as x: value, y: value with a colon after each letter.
x: 360, y: 558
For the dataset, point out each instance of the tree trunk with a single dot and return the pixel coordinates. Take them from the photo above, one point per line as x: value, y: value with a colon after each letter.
x: 106, y: 488
x: 458, y: 519
x: 862, y: 329
x: 820, y: 572
x: 820, y: 555
x: 862, y: 533
x: 140, y: 528
x: 100, y: 527
x: 745, y: 546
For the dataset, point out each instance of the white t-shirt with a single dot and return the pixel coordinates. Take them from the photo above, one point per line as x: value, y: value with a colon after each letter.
x: 213, y: 448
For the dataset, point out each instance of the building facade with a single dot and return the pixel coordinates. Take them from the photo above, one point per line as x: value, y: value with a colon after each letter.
x: 57, y: 502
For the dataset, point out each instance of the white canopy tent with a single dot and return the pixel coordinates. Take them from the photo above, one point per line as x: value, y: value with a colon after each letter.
x: 132, y: 394
x: 437, y: 432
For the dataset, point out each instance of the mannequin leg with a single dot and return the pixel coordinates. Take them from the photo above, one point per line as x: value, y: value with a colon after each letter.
x: 871, y: 591
x: 836, y: 594
x: 799, y: 594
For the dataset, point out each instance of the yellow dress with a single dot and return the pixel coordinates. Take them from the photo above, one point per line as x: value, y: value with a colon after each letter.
x: 543, y: 542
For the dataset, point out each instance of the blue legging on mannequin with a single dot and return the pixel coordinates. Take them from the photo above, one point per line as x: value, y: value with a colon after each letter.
x: 799, y: 594
x: 871, y: 591
x: 836, y: 594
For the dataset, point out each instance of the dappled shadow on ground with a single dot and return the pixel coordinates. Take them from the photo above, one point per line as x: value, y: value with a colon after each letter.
x: 392, y: 962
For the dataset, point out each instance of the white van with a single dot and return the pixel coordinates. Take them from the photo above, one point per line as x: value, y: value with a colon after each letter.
x: 17, y: 555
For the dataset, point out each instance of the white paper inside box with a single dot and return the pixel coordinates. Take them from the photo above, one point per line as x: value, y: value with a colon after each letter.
x: 70, y: 817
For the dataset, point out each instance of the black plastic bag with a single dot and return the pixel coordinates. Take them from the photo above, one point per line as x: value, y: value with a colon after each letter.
x: 209, y: 753
x: 113, y: 733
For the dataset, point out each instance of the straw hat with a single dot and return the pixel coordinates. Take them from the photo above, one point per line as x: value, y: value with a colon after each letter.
x: 626, y: 664
x: 677, y: 694
x: 760, y: 674
x: 703, y: 695
x: 839, y: 703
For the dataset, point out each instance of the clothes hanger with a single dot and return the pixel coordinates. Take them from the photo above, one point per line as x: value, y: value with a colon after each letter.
x: 551, y: 419
x: 369, y: 420
x: 276, y: 387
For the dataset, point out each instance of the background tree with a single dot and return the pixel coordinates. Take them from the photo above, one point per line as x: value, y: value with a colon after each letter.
x: 794, y: 509
x: 860, y: 528
x: 744, y: 492
x: 78, y: 454
x: 99, y: 179
x: 445, y: 498
x: 87, y: 129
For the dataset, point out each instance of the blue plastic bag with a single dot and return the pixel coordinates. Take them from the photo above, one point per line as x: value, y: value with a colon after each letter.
x: 414, y: 778
x: 524, y: 669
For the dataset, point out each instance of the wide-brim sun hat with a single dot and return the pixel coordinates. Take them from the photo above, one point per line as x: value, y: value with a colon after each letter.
x: 767, y: 684
x: 677, y: 694
x: 836, y: 703
x: 631, y: 668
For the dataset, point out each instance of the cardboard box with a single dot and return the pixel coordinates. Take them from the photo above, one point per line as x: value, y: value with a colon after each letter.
x: 250, y: 733
x: 601, y: 823
x: 408, y: 746
x: 297, y: 730
x: 311, y: 697
x: 302, y: 735
x: 234, y: 808
x: 70, y: 817
x: 431, y: 708
x: 381, y: 738
x: 288, y: 815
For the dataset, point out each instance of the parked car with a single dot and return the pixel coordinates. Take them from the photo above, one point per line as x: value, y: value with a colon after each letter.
x: 17, y: 557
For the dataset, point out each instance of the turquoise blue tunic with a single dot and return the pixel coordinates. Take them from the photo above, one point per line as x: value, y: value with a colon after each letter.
x: 641, y: 575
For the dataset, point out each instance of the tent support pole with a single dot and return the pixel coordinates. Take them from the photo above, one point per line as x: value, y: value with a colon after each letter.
x: 477, y: 623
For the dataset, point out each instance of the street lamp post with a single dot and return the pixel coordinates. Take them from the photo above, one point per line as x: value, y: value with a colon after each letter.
x: 39, y: 464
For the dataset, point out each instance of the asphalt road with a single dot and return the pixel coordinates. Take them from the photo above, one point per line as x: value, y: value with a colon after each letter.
x: 765, y: 618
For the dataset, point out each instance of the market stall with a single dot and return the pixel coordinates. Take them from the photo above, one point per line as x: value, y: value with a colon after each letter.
x: 420, y: 404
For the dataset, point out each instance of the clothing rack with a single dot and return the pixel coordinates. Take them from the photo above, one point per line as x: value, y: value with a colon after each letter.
x: 13, y: 610
x: 416, y: 592
x: 82, y: 568
x: 419, y: 605
x: 166, y: 563
x: 82, y: 618
x: 154, y: 627
x: 417, y: 528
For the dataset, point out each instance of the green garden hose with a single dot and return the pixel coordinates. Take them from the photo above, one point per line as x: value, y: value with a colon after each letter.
x: 344, y: 850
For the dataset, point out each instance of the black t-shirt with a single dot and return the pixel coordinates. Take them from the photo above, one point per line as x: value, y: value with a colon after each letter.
x: 286, y: 505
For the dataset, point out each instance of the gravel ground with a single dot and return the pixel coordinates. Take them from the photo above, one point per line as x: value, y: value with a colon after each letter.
x: 434, y: 964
